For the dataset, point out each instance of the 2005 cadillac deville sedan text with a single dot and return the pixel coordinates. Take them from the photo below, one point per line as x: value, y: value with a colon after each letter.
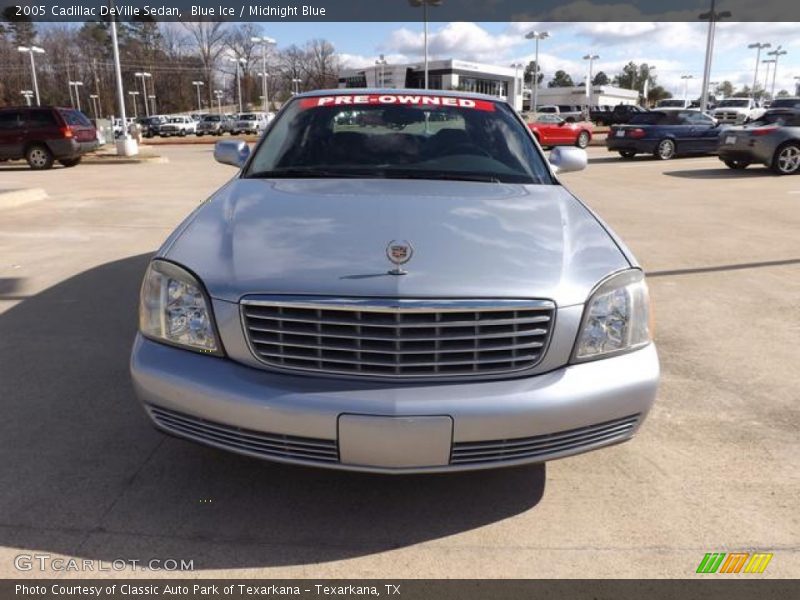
x: 396, y: 282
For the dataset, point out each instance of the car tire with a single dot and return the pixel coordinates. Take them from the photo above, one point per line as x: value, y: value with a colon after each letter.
x: 786, y: 160
x: 737, y: 165
x: 666, y: 149
x: 39, y: 157
x: 583, y: 139
x: 628, y: 154
x: 182, y: 133
x: 70, y: 162
x: 199, y: 134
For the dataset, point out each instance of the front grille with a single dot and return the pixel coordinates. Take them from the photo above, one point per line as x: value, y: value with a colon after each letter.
x: 727, y: 117
x: 399, y: 338
x: 542, y: 445
x: 244, y: 440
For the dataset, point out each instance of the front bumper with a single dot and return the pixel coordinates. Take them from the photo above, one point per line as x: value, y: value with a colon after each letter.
x: 302, y: 420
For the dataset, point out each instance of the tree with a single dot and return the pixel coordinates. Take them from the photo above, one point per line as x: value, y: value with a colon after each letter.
x: 561, y: 79
x: 209, y: 42
x: 323, y: 65
x: 601, y: 79
x: 656, y: 93
x: 724, y: 89
x: 782, y: 94
x: 532, y: 68
x: 628, y: 77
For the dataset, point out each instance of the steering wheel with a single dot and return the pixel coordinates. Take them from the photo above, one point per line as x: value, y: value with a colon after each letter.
x: 466, y: 148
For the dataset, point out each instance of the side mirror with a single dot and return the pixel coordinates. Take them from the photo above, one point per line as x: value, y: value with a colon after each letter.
x: 564, y: 159
x: 232, y: 152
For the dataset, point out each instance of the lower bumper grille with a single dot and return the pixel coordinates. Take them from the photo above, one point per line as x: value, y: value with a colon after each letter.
x: 243, y: 440
x: 399, y: 337
x: 542, y: 445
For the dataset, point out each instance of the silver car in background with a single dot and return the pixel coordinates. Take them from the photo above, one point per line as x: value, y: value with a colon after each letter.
x: 773, y: 140
x: 413, y: 290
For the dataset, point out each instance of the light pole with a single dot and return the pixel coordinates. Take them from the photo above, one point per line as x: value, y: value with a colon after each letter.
x: 589, y: 87
x: 712, y: 85
x: 265, y: 43
x: 517, y: 87
x: 152, y: 102
x: 797, y: 85
x: 218, y: 94
x: 264, y: 77
x: 95, y: 104
x: 758, y: 46
x: 425, y: 4
x: 28, y: 94
x: 198, y: 85
x: 777, y: 53
x: 536, y: 35
x: 767, y: 62
x: 33, y: 50
x: 296, y: 84
x: 686, y: 79
x: 77, y: 84
x: 126, y: 146
x: 144, y: 75
x: 646, y: 87
x: 712, y: 17
x: 133, y: 95
x: 238, y: 61
x: 381, y: 64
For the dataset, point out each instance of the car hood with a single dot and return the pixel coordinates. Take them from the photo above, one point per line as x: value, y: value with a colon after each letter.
x: 329, y: 237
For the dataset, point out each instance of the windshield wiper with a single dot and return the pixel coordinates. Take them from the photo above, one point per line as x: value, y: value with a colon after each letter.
x: 442, y: 176
x: 301, y: 172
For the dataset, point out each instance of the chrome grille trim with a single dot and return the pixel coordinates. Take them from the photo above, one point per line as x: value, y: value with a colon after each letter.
x: 543, y: 445
x: 398, y: 338
x: 268, y: 445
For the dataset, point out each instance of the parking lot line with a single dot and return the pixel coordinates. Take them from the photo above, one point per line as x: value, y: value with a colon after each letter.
x: 692, y: 161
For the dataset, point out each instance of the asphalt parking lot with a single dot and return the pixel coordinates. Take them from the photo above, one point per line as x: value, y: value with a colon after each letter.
x: 716, y: 468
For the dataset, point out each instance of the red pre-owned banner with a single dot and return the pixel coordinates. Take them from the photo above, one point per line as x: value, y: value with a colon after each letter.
x: 396, y: 99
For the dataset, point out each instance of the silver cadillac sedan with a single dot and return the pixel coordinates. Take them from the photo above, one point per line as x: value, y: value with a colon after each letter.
x: 396, y: 282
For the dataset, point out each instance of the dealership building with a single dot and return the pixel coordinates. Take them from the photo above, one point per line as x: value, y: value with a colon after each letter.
x: 504, y: 82
x: 449, y: 74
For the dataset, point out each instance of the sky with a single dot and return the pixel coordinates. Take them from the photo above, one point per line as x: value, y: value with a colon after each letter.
x: 674, y: 48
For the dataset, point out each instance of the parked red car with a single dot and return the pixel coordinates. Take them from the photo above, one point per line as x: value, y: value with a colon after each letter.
x: 552, y: 130
x: 44, y: 134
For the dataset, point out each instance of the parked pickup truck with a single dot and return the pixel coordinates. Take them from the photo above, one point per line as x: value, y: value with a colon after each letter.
x: 180, y: 125
x: 737, y: 111
x: 619, y: 115
x: 570, y: 113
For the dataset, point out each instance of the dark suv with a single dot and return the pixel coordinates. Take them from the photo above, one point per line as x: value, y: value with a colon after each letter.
x: 44, y: 134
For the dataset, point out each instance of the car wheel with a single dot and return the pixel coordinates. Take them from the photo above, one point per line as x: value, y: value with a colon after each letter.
x: 199, y: 134
x: 583, y: 139
x: 182, y: 133
x: 39, y: 157
x: 787, y: 159
x: 627, y: 153
x: 737, y: 164
x: 70, y: 162
x: 665, y: 149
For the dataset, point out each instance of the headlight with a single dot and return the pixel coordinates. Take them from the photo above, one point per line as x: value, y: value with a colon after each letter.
x: 616, y: 318
x: 173, y: 308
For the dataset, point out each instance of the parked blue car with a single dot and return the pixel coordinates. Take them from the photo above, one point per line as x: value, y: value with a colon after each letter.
x: 665, y: 133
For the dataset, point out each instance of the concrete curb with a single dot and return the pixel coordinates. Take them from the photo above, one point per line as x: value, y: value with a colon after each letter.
x: 110, y: 159
x: 18, y: 197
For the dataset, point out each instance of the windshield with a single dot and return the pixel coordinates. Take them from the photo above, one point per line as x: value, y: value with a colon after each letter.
x: 786, y: 103
x: 75, y: 118
x: 247, y: 118
x: 679, y: 103
x: 778, y: 117
x: 745, y: 103
x: 399, y: 136
x: 212, y: 118
x: 176, y: 120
